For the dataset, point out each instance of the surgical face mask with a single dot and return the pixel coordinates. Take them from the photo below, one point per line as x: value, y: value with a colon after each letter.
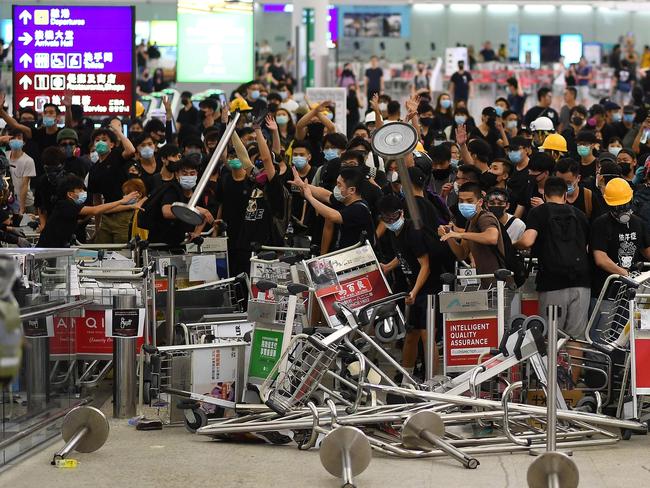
x: 283, y: 95
x: 146, y: 152
x: 68, y: 150
x: 187, y: 182
x: 445, y: 103
x: 629, y: 118
x: 515, y: 156
x: 255, y: 94
x: 460, y: 119
x: 454, y: 163
x: 329, y: 115
x: 570, y: 189
x: 81, y: 198
x: 499, y: 111
x: 49, y: 121
x: 234, y: 164
x: 395, y: 226
x: 584, y: 151
x: 625, y: 168
x: 282, y: 119
x: 617, y: 117
x: 497, y: 210
x: 102, y: 147
x: 133, y: 201
x: 467, y: 210
x: 614, y: 150
x: 392, y: 177
x: 591, y: 121
x: 94, y: 157
x: 331, y: 153
x: 299, y: 161
x: 383, y: 107
x: 261, y: 178
x: 338, y: 195
x: 16, y: 144
x: 511, y: 124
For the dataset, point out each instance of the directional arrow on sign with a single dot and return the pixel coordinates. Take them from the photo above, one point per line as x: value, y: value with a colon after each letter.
x: 25, y: 59
x: 25, y: 81
x: 25, y: 16
x: 25, y: 103
x: 25, y: 39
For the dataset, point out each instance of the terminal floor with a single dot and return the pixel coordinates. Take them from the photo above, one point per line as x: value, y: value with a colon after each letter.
x: 173, y: 457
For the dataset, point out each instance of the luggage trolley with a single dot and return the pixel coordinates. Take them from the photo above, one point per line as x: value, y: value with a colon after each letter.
x: 640, y: 359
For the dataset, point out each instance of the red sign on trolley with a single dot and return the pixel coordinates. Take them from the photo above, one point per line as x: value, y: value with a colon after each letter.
x: 466, y: 339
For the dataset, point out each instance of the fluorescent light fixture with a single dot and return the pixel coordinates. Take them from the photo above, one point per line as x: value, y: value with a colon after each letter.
x: 502, y: 8
x: 288, y: 8
x: 576, y: 9
x: 428, y: 7
x: 539, y: 9
x: 465, y: 8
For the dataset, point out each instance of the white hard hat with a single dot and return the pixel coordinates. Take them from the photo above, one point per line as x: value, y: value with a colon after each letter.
x: 370, y: 117
x: 542, y: 123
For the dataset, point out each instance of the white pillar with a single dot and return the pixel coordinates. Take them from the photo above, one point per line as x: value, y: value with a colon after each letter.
x: 318, y: 51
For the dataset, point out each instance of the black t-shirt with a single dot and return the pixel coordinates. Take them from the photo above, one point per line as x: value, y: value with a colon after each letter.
x: 156, y: 181
x: 233, y: 196
x: 40, y: 141
x: 297, y: 200
x: 581, y: 204
x: 60, y: 225
x: 538, y: 219
x: 537, y: 111
x: 77, y: 167
x: 45, y: 191
x: 517, y: 103
x: 189, y: 117
x: 624, y: 79
x: 106, y: 177
x: 278, y: 72
x: 623, y: 243
x: 263, y: 205
x: 148, y: 178
x: 488, y: 55
x: 588, y: 173
x: 356, y: 219
x: 461, y: 83
x: 374, y: 76
x: 169, y: 231
x: 428, y: 214
x: 371, y: 194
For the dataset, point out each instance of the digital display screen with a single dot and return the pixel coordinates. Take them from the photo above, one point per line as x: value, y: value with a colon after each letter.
x: 85, y: 50
x: 163, y: 32
x: 215, y: 47
x: 571, y: 48
x: 529, y: 50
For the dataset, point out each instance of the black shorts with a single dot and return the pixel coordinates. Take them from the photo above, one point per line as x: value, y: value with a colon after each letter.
x: 418, y: 313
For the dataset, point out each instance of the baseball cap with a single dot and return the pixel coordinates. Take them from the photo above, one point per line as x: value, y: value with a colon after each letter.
x: 606, y: 156
x: 611, y: 106
x: 417, y: 176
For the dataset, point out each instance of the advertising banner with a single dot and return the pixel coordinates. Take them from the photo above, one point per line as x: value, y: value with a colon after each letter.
x: 465, y: 339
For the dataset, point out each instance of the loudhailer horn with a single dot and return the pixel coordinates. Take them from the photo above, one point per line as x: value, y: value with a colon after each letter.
x: 393, y: 142
x: 187, y: 212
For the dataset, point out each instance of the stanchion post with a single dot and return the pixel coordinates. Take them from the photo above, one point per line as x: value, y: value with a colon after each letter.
x: 553, y: 313
x: 170, y: 312
x: 124, y: 366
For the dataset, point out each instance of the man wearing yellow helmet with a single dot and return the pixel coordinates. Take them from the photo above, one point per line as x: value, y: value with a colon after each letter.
x: 619, y: 239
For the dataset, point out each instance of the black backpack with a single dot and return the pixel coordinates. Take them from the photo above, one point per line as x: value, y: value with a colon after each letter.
x: 511, y: 259
x: 149, y: 209
x: 563, y: 252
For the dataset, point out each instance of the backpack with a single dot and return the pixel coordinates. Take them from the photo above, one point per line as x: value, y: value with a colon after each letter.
x: 511, y: 259
x: 563, y: 251
x: 146, y: 217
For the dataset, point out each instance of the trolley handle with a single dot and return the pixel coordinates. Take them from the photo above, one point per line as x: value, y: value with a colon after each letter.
x: 389, y: 299
x: 265, y: 285
x: 629, y: 282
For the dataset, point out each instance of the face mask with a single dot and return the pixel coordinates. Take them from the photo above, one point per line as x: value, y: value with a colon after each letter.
x: 81, y: 198
x: 299, y: 161
x: 94, y: 157
x: 614, y: 150
x: 498, y: 110
x: 426, y: 121
x: 338, y: 195
x: 395, y: 226
x: 445, y: 103
x: 625, y: 167
x: 515, y: 156
x: 454, y: 163
x: 102, y: 147
x: 629, y: 118
x: 16, y: 144
x: 441, y: 174
x: 584, y: 151
x: 577, y: 121
x: 591, y: 121
x: 460, y: 119
x: 570, y: 189
x: 330, y: 154
x: 261, y: 179
x: 187, y: 182
x: 329, y: 115
x: 617, y: 117
x: 383, y: 107
x: 282, y: 119
x: 69, y: 151
x: 284, y: 95
x: 146, y: 152
x: 438, y: 142
x: 622, y: 216
x: 392, y: 177
x: 49, y: 121
x: 488, y: 179
x: 511, y: 124
x: 467, y: 210
x: 133, y: 201
x: 255, y: 94
x: 234, y: 164
x: 497, y: 210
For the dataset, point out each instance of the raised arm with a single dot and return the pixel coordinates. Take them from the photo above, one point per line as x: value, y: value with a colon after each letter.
x: 275, y: 134
x: 265, y: 154
x: 301, y: 125
x: 10, y: 121
x: 242, y: 153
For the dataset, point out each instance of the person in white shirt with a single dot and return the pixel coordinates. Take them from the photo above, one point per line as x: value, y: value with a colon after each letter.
x: 497, y: 203
x: 22, y: 170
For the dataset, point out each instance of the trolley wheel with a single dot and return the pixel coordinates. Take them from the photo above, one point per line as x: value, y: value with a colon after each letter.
x: 386, y: 336
x: 626, y: 434
x: 587, y: 404
x: 195, y: 419
x: 318, y: 397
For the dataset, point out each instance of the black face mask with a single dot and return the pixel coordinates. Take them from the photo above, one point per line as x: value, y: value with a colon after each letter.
x: 497, y: 210
x: 273, y: 107
x: 30, y: 123
x: 488, y: 179
x: 625, y: 167
x: 441, y: 174
x: 426, y: 121
x: 577, y: 120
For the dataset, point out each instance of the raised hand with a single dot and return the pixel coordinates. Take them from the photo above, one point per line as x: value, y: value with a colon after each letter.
x: 271, y: 123
x: 461, y: 134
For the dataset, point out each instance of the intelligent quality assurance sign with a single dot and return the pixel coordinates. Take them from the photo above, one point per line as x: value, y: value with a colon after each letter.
x: 86, y: 52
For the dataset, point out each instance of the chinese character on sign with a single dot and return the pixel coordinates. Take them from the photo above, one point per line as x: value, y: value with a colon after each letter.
x: 39, y: 35
x: 65, y: 13
x: 98, y: 57
x: 108, y: 57
x: 58, y: 35
x: 88, y: 58
x: 101, y: 78
x: 76, y: 99
x: 81, y: 78
x: 91, y: 79
x: 56, y: 99
x: 72, y: 79
x: 69, y: 35
x: 42, y: 60
x: 49, y: 35
x: 112, y: 79
x: 55, y: 13
x: 85, y: 100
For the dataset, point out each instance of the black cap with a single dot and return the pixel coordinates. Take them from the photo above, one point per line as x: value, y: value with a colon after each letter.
x: 489, y: 112
x: 606, y: 156
x: 586, y: 136
x: 417, y: 176
x: 611, y: 106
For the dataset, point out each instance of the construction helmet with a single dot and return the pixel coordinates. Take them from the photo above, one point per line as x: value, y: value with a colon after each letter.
x: 239, y: 104
x: 139, y: 108
x: 555, y: 142
x: 617, y: 192
x: 542, y: 123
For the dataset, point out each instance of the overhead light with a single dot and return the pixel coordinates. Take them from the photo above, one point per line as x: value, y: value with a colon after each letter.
x: 428, y: 7
x: 576, y: 9
x: 502, y: 8
x: 465, y: 8
x: 539, y: 9
x: 288, y: 8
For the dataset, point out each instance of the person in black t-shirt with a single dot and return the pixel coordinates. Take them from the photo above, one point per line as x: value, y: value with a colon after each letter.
x: 543, y: 108
x: 301, y: 159
x: 344, y: 206
x: 374, y: 79
x: 62, y: 223
x: 189, y: 115
x: 169, y: 155
x: 45, y: 185
x: 460, y: 83
x: 577, y: 195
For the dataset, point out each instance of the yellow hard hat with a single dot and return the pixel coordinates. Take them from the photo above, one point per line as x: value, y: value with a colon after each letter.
x: 617, y: 192
x: 239, y: 104
x: 139, y: 108
x: 555, y: 142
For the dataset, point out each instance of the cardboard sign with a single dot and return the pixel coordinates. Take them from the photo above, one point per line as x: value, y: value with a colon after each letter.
x: 466, y: 339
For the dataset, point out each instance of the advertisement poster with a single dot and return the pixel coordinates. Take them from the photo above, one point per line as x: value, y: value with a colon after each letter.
x: 465, y: 339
